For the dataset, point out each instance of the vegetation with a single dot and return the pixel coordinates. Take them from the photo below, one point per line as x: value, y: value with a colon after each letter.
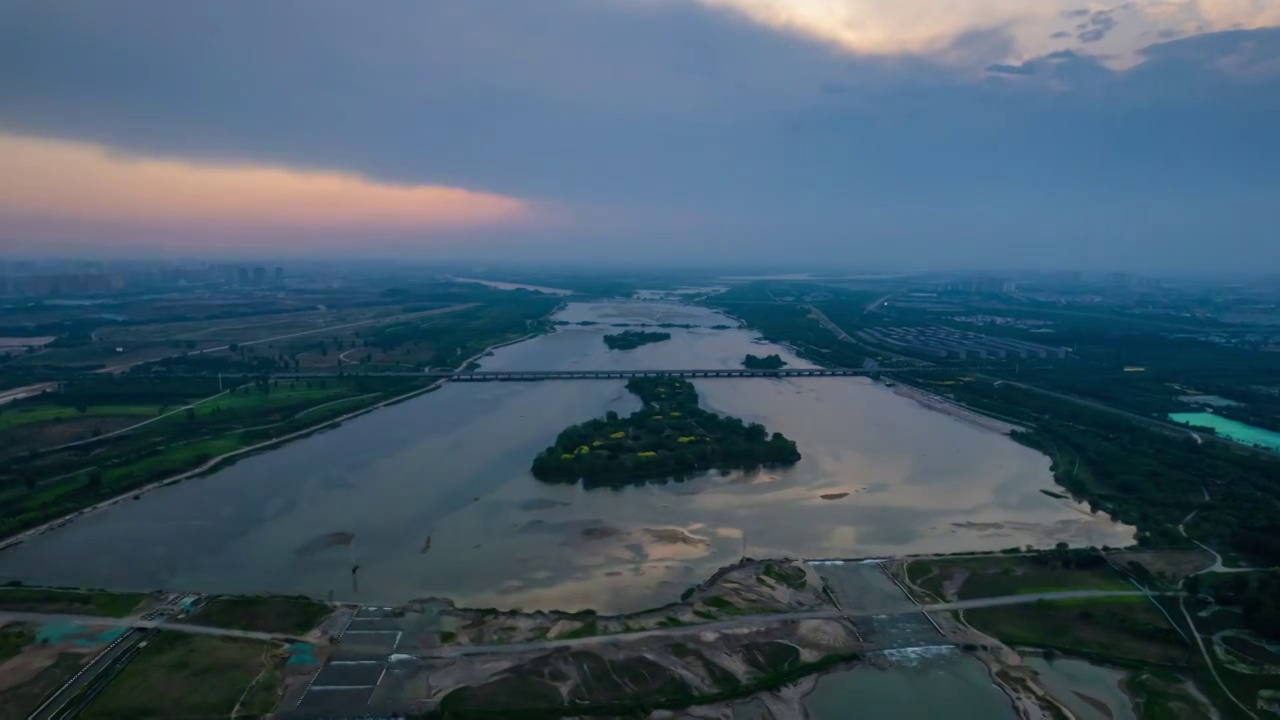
x: 1140, y: 474
x: 1000, y: 575
x: 101, y: 435
x: 1256, y: 594
x: 1118, y: 630
x: 669, y: 436
x: 631, y: 339
x: 634, y: 687
x: 13, y: 638
x: 71, y: 602
x: 178, y: 675
x: 768, y: 362
x: 791, y: 576
x: 263, y: 613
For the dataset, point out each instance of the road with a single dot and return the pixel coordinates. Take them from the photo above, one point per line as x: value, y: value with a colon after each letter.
x: 749, y: 622
x: 139, y: 623
x: 1007, y: 600
x: 29, y: 390
x: 56, y: 703
x: 1213, y: 670
x: 331, y: 328
x: 1169, y: 427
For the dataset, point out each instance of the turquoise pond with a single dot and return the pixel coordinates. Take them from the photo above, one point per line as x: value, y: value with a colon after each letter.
x: 1237, y: 431
x: 82, y: 635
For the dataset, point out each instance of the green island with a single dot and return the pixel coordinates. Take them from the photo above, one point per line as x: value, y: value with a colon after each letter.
x: 768, y: 362
x: 670, y: 435
x: 631, y: 339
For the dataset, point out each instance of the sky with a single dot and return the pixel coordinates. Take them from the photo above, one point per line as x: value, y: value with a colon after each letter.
x: 893, y: 133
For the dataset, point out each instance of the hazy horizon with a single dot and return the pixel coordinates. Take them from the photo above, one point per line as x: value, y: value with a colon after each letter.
x: 945, y: 134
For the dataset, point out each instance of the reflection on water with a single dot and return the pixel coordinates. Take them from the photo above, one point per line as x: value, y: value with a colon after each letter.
x: 942, y: 686
x: 1090, y: 692
x: 453, y: 466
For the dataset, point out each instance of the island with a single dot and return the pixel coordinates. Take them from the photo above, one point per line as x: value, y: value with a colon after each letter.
x: 669, y: 436
x: 768, y: 362
x: 630, y: 339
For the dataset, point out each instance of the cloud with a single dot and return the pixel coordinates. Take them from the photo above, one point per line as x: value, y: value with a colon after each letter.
x: 46, y: 185
x: 676, y: 129
x: 1100, y: 23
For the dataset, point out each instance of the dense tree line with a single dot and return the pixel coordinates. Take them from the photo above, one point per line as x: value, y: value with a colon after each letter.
x: 768, y: 362
x: 669, y: 436
x: 631, y: 339
x: 1146, y: 476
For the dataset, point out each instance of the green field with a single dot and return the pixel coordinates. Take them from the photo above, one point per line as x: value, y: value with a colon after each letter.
x: 999, y: 575
x: 1130, y: 631
x: 47, y: 412
x: 292, y: 615
x: 189, y: 676
x: 72, y: 602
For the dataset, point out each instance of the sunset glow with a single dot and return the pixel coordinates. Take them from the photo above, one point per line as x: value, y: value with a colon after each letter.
x: 77, y: 182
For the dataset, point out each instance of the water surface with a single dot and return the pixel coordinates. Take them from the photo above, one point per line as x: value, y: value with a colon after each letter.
x: 1238, y: 431
x: 1089, y: 691
x: 453, y: 466
x: 952, y: 687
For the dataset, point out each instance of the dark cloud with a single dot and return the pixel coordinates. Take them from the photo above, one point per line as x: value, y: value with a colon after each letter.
x: 679, y: 128
x: 1082, y: 12
x: 1100, y: 23
x: 1060, y: 35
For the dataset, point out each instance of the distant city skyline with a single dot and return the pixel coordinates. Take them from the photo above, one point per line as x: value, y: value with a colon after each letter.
x: 933, y: 134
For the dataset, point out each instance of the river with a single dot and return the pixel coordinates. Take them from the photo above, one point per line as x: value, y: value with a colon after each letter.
x: 957, y: 688
x: 452, y: 465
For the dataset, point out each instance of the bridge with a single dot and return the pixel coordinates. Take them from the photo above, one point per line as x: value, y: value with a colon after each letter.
x: 531, y: 375
x: 526, y: 375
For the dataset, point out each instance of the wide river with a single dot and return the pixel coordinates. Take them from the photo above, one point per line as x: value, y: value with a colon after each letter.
x: 452, y: 466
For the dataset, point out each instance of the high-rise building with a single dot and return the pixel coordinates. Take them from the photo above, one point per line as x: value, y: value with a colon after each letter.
x: 259, y: 275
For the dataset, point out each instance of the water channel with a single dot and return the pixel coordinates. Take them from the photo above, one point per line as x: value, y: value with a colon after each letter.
x: 452, y: 465
x: 923, y: 689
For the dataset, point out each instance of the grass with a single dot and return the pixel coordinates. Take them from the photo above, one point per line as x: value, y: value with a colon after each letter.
x: 47, y: 412
x: 185, y: 676
x: 72, y: 602
x: 1123, y: 632
x: 588, y: 629
x: 792, y: 577
x: 13, y: 638
x: 1000, y: 575
x: 175, y: 459
x: 274, y: 614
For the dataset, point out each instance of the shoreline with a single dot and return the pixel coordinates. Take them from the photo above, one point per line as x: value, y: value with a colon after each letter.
x: 939, y: 404
x: 214, y: 463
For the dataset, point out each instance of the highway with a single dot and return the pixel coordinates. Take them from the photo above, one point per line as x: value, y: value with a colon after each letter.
x: 139, y: 623
x: 68, y: 699
x: 750, y: 622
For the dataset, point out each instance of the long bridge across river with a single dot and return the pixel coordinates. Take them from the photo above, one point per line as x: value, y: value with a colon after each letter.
x: 525, y: 375
x: 531, y: 375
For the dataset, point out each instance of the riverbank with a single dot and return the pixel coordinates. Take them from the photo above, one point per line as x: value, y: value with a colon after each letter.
x: 227, y: 458
x: 947, y: 407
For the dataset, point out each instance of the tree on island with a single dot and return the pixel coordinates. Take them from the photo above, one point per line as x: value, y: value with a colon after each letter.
x: 768, y: 362
x: 630, y: 339
x: 670, y: 436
